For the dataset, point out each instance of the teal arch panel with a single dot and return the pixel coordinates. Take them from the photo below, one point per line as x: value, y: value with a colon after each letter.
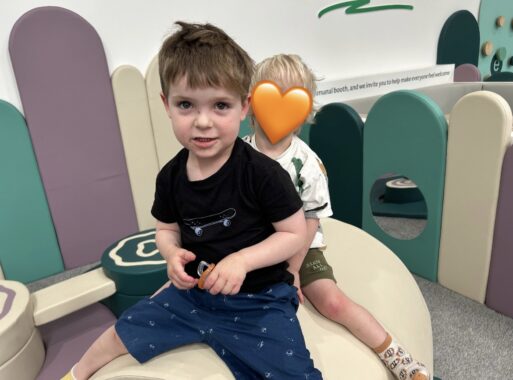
x: 459, y: 40
x: 29, y: 245
x: 500, y: 37
x: 337, y: 138
x: 304, y: 134
x: 406, y: 133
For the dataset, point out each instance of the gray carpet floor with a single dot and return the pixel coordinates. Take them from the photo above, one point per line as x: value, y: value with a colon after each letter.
x: 471, y: 341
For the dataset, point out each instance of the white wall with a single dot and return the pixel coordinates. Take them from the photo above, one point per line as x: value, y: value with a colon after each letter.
x: 336, y: 46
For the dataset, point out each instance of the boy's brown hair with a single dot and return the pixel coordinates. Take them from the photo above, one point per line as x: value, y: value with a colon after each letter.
x: 207, y: 57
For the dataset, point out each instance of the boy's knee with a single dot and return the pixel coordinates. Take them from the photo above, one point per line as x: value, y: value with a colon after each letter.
x: 335, y: 307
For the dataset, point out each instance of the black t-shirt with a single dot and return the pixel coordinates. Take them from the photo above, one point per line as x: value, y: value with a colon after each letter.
x: 232, y: 209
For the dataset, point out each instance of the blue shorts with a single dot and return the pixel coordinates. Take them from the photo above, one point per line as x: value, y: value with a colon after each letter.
x: 257, y: 335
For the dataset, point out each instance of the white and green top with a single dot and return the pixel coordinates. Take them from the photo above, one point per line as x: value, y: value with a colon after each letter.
x: 310, y: 180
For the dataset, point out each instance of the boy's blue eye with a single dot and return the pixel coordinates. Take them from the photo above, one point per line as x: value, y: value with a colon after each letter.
x: 222, y: 106
x: 185, y: 105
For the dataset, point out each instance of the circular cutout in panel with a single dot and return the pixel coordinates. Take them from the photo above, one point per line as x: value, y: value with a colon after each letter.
x: 398, y: 206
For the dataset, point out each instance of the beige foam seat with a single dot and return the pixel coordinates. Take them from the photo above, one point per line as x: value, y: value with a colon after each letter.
x: 369, y: 273
x: 21, y: 348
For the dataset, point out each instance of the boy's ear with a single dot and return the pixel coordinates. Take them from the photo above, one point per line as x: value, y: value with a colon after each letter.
x: 165, y: 101
x: 245, y: 107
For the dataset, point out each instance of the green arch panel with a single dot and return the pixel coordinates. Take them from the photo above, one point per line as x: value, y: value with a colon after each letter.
x: 406, y: 133
x: 459, y: 40
x: 337, y: 138
x: 305, y: 133
x: 29, y: 245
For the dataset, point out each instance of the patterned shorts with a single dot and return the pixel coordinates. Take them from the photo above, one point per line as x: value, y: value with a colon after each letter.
x: 315, y: 267
x: 257, y: 335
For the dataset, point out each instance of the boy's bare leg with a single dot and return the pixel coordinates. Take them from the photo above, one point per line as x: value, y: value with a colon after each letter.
x: 105, y: 349
x: 333, y: 303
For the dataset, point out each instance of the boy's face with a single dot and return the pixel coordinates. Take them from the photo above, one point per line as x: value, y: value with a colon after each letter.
x: 206, y: 121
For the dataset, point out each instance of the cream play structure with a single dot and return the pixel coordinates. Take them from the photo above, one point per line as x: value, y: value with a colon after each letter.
x: 79, y: 168
x: 350, y: 250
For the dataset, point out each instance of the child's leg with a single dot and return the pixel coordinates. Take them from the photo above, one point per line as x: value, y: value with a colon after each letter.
x: 144, y: 331
x: 400, y: 362
x: 258, y: 335
x: 319, y: 286
x: 333, y: 303
x: 105, y: 349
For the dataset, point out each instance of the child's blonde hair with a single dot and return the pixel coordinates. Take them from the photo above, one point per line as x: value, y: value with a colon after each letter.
x: 286, y: 70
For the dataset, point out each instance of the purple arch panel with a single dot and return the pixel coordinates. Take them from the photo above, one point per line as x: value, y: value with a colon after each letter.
x: 467, y: 72
x: 65, y: 88
x: 500, y: 278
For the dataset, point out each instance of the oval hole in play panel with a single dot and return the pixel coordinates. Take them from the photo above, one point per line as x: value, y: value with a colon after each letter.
x: 398, y: 206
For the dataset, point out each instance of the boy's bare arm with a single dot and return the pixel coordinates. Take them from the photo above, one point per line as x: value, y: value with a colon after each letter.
x: 312, y: 224
x: 296, y: 261
x: 280, y: 246
x: 229, y: 273
x: 169, y: 244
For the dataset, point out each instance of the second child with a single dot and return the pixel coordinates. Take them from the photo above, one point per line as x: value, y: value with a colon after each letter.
x: 313, y: 275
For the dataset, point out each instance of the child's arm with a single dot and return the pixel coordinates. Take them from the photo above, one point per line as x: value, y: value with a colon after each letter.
x: 229, y: 273
x: 169, y: 244
x: 312, y: 224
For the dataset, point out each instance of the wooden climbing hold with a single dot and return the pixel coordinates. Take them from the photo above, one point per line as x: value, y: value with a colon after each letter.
x: 487, y: 48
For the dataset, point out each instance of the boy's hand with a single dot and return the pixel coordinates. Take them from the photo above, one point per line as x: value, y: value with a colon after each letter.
x: 297, y: 284
x: 227, y: 276
x: 176, y: 268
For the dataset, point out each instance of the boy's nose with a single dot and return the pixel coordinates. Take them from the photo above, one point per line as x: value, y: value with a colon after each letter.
x: 203, y: 120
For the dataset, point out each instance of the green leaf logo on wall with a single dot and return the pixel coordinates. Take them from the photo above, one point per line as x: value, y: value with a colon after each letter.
x: 355, y: 6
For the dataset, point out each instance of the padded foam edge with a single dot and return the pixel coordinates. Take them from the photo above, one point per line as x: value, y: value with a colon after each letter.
x: 70, y: 295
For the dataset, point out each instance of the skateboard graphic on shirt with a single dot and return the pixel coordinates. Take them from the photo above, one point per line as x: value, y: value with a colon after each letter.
x: 199, y: 224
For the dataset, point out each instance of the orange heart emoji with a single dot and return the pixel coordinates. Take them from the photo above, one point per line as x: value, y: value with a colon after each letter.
x: 280, y: 114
